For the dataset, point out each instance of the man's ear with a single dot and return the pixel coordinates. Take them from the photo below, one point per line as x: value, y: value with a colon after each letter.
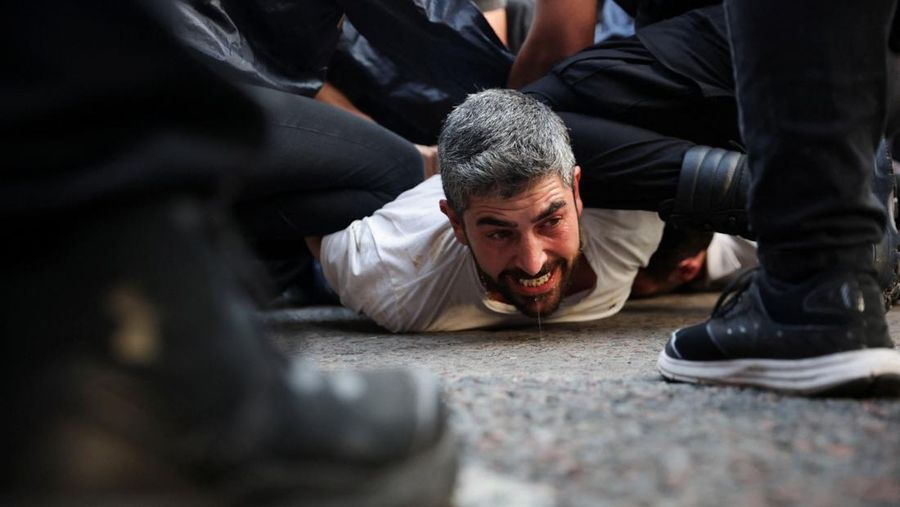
x: 455, y: 221
x: 576, y: 180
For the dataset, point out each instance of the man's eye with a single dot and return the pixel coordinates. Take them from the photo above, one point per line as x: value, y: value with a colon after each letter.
x: 499, y: 235
x: 551, y: 222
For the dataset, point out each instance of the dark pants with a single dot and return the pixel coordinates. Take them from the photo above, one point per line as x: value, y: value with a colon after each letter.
x: 101, y: 105
x: 322, y: 168
x: 107, y: 122
x: 812, y: 78
x: 631, y: 119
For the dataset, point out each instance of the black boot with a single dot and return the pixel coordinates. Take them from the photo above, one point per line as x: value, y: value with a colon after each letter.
x: 712, y: 196
x: 140, y: 378
x: 712, y: 192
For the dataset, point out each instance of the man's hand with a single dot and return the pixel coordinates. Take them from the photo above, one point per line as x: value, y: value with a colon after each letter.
x: 430, y: 158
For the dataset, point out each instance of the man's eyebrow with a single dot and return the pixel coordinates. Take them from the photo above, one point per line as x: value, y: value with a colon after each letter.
x: 494, y: 221
x: 553, y: 208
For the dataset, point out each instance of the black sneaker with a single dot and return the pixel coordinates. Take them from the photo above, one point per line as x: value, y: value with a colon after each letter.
x: 825, y: 336
x: 141, y: 378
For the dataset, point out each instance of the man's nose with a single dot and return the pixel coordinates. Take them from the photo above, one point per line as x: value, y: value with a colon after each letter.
x: 531, y: 256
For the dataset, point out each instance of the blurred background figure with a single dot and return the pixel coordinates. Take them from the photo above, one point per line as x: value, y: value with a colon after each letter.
x: 690, y: 261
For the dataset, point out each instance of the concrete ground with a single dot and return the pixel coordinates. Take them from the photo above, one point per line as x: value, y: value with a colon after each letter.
x: 576, y: 415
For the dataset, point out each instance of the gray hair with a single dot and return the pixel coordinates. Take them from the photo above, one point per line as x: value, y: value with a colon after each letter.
x: 498, y: 143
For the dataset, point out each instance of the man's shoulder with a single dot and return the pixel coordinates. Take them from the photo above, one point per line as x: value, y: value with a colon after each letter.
x: 406, y: 222
x: 611, y: 222
x: 397, y: 265
x: 627, y: 237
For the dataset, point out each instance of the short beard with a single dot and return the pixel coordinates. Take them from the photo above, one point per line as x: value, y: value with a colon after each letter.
x: 525, y: 304
x: 521, y: 303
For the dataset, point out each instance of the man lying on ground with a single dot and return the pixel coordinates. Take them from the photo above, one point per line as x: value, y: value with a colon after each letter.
x: 499, y: 238
x: 694, y: 261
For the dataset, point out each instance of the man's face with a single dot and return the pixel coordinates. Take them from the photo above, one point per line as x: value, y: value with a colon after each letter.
x: 526, y: 246
x: 688, y: 269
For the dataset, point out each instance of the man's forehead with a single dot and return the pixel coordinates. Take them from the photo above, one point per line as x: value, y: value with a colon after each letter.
x: 540, y: 193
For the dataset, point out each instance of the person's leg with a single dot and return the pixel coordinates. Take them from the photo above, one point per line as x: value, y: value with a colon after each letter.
x: 639, y: 130
x: 626, y: 99
x: 621, y: 80
x: 689, y: 185
x: 174, y: 133
x: 812, y: 108
x: 322, y: 168
x: 624, y: 166
x: 696, y: 187
x: 812, y: 115
x: 140, y: 375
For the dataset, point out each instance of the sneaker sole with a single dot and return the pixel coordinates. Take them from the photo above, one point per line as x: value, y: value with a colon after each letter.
x: 869, y: 372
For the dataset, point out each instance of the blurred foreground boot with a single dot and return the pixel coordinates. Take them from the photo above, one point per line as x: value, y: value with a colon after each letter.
x: 138, y: 377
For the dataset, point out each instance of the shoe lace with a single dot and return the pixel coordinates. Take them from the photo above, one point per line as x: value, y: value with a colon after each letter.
x: 733, y: 292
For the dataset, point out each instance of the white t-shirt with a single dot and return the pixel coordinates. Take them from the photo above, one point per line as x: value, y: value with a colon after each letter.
x: 404, y: 268
x: 727, y: 256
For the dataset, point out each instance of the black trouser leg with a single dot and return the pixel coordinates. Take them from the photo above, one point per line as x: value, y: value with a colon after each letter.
x: 813, y: 105
x: 322, y: 168
x: 102, y: 104
x: 105, y: 119
x: 624, y: 82
x: 623, y: 166
x: 632, y: 120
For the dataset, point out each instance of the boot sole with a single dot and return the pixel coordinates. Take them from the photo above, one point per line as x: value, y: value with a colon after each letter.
x: 859, y: 373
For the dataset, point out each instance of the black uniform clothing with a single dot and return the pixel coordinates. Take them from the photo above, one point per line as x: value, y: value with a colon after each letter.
x: 322, y: 167
x: 410, y: 76
x: 812, y: 118
x: 282, y: 45
x: 636, y: 105
x: 73, y: 138
x: 646, y: 12
x: 105, y: 116
x: 695, y: 45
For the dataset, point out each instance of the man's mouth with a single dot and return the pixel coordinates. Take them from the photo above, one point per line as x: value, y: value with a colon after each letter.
x: 535, y: 282
x: 536, y: 286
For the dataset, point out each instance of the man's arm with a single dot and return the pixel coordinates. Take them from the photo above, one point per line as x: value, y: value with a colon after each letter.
x: 560, y: 29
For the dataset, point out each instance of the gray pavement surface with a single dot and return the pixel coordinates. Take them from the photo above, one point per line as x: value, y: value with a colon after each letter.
x: 576, y: 415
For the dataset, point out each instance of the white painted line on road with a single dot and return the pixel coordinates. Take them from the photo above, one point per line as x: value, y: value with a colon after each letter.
x: 479, y: 487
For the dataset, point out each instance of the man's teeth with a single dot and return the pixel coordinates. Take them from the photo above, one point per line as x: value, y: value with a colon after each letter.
x: 535, y: 282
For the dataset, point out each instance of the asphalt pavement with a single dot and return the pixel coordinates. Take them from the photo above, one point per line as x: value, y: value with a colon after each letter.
x: 576, y: 415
